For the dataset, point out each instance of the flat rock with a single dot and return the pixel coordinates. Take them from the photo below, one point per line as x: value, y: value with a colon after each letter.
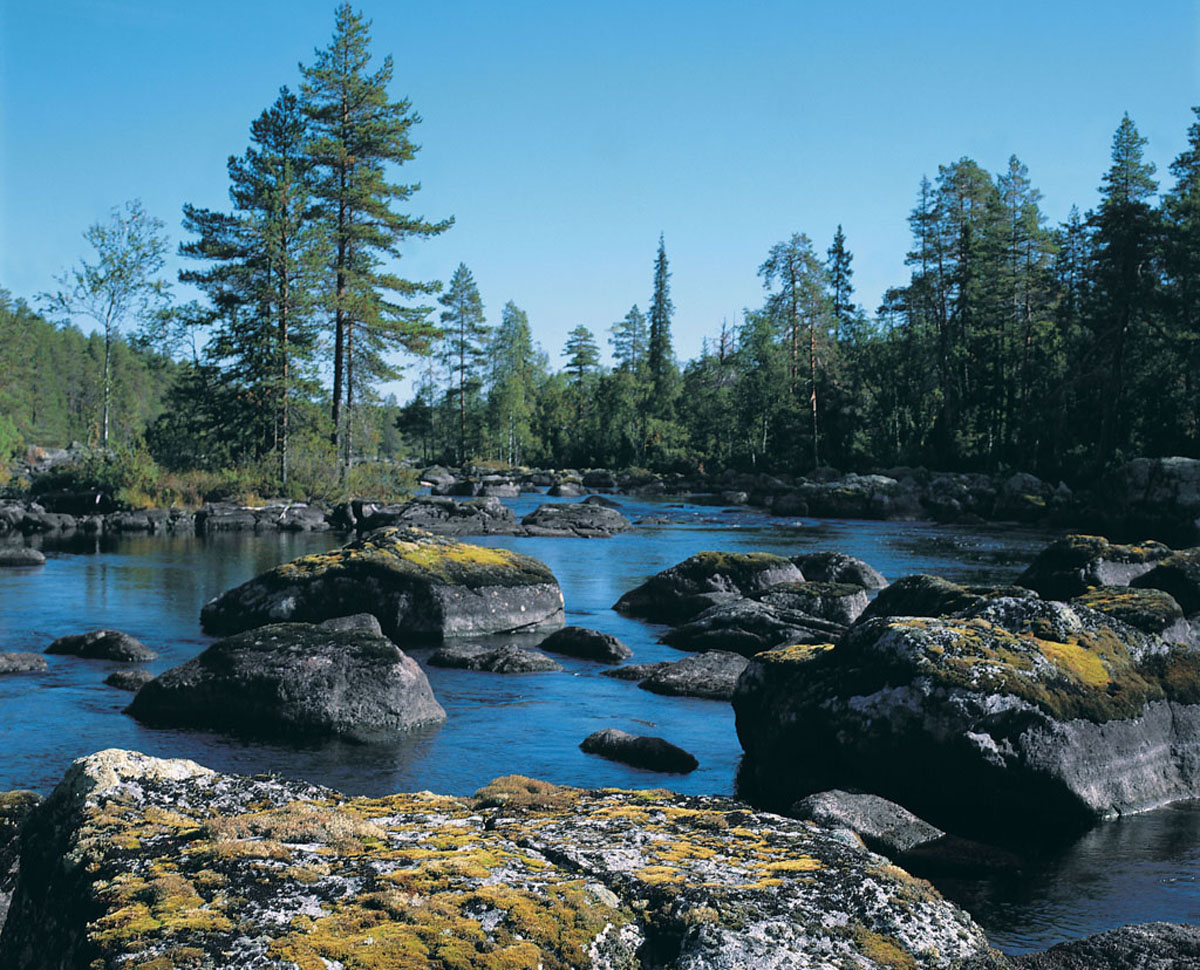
x: 416, y: 584
x: 15, y: 556
x: 103, y: 645
x: 1148, y: 946
x: 21, y: 663
x: 748, y: 627
x: 885, y: 826
x: 444, y: 516
x: 506, y: 659
x: 294, y: 680
x: 578, y: 641
x: 837, y: 567
x: 133, y: 680
x: 653, y: 754
x: 713, y: 675
x: 1070, y: 566
x: 582, y: 519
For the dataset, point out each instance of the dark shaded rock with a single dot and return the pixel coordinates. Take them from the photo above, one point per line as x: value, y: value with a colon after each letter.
x: 500, y: 490
x: 578, y: 641
x: 600, y: 478
x: 436, y: 475
x: 567, y: 490
x: 839, y: 603
x: 1149, y: 610
x: 129, y: 679
x: 602, y: 500
x: 653, y: 754
x: 1157, y: 497
x: 1179, y: 575
x: 922, y: 595
x: 21, y: 556
x: 507, y: 659
x: 713, y: 675
x: 636, y: 671
x: 152, y: 521
x: 15, y: 807
x: 1023, y: 498
x: 855, y: 497
x: 416, y: 585
x: 703, y: 580
x: 355, y: 621
x: 587, y: 521
x: 884, y: 826
x: 1070, y: 566
x: 1148, y: 946
x: 277, y: 517
x: 21, y: 663
x: 36, y: 521
x: 748, y: 627
x: 103, y: 645
x: 837, y: 567
x: 77, y: 502
x: 444, y: 516
x: 463, y: 488
x: 294, y: 680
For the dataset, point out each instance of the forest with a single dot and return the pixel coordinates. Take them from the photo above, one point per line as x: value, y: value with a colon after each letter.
x: 1014, y: 344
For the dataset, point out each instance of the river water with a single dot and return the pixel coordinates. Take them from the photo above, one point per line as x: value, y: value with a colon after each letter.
x: 1134, y: 870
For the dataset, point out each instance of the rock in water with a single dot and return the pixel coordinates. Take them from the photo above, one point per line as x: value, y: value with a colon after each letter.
x: 21, y: 663
x: 140, y: 860
x: 840, y: 603
x: 713, y: 675
x: 103, y: 645
x: 294, y: 680
x: 1071, y: 565
x: 508, y: 659
x: 578, y: 641
x: 418, y: 586
x: 653, y: 754
x: 585, y: 520
x: 133, y: 680
x: 1149, y: 946
x: 21, y: 556
x: 837, y: 567
x: 445, y: 516
x: 971, y: 721
x: 749, y: 627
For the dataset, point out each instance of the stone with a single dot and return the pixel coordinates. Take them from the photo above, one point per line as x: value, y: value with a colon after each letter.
x: 748, y: 627
x: 1148, y: 946
x: 444, y: 516
x: 1157, y: 497
x: 1149, y: 610
x: 922, y: 595
x: 506, y: 659
x: 839, y: 603
x: 21, y: 556
x: 578, y: 641
x: 21, y: 663
x: 419, y: 586
x: 132, y: 680
x: 355, y: 621
x: 652, y: 754
x: 1179, y: 575
x: 837, y: 567
x: 15, y: 807
x: 567, y: 490
x: 884, y: 826
x: 103, y: 645
x: 585, y: 520
x: 275, y: 517
x: 1070, y: 566
x: 294, y: 681
x: 637, y: 671
x: 713, y: 674
x: 602, y: 500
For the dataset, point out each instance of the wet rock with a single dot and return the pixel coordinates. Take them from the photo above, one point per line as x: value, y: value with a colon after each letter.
x: 103, y: 645
x: 416, y: 584
x: 1148, y: 946
x: 15, y: 807
x: 653, y: 754
x: 1179, y: 575
x: 133, y: 680
x: 585, y: 520
x: 708, y: 578
x: 884, y: 826
x: 922, y: 595
x: 837, y: 567
x: 839, y: 603
x: 507, y: 659
x: 21, y: 663
x: 567, y: 490
x: 355, y: 621
x: 294, y: 680
x: 713, y: 675
x: 444, y: 516
x: 21, y: 556
x: 578, y: 641
x: 602, y: 500
x: 748, y: 627
x: 1070, y: 566
x: 1149, y: 610
x: 637, y: 671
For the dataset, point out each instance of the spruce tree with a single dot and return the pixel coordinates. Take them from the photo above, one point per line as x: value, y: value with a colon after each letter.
x: 583, y: 357
x: 660, y: 358
x: 514, y: 366
x: 464, y: 344
x: 629, y: 339
x: 841, y: 290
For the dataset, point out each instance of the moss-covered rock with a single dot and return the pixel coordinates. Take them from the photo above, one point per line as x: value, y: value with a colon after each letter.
x: 416, y: 584
x: 748, y: 627
x: 840, y: 603
x: 1179, y: 575
x: 923, y: 595
x: 1149, y: 610
x: 1073, y: 564
x: 837, y: 567
x: 139, y: 863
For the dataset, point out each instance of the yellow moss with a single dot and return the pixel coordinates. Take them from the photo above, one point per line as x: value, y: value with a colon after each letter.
x: 528, y: 794
x: 883, y: 950
x: 656, y: 875
x: 1076, y: 660
x: 802, y: 864
x: 796, y: 653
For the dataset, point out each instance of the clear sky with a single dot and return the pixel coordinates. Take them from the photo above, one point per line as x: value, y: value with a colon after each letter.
x: 565, y: 136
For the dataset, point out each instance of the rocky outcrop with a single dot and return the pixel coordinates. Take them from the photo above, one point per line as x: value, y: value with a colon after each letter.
x: 443, y: 516
x: 506, y: 659
x: 21, y: 663
x: 749, y: 627
x: 653, y: 754
x: 281, y: 517
x: 134, y: 860
x: 103, y: 645
x: 1149, y: 610
x: 1148, y: 946
x: 417, y: 585
x: 706, y: 579
x: 839, y: 603
x: 837, y: 567
x: 583, y: 520
x: 15, y: 556
x: 922, y: 595
x: 713, y: 675
x: 294, y: 680
x: 1070, y: 566
x: 578, y: 641
x: 970, y: 720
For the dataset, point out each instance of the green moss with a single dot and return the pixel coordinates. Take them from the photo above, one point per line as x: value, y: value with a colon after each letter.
x: 1150, y: 610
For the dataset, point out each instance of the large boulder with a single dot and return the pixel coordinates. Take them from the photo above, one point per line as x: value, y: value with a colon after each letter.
x: 1019, y: 715
x: 839, y: 603
x: 578, y: 641
x: 444, y: 516
x: 1179, y: 575
x: 1149, y: 610
x: 103, y: 645
x: 703, y: 580
x: 506, y: 659
x: 1158, y: 497
x: 749, y: 627
x: 14, y: 556
x: 923, y: 595
x: 1072, y: 565
x: 653, y: 754
x: 135, y: 861
x: 294, y: 680
x: 416, y: 584
x: 837, y: 567
x: 584, y: 520
x: 713, y: 675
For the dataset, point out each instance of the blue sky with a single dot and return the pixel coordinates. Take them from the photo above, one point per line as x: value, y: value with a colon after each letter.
x: 564, y: 137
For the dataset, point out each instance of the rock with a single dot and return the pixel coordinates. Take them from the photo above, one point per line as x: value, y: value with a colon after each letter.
x: 133, y: 680
x: 1149, y: 946
x: 416, y: 584
x: 653, y: 754
x: 853, y: 497
x: 103, y: 645
x: 1071, y: 565
x: 584, y: 520
x: 922, y: 595
x: 839, y: 603
x: 21, y: 663
x: 1158, y: 497
x: 153, y: 521
x: 578, y: 641
x: 971, y: 720
x: 355, y: 621
x: 444, y: 516
x: 885, y: 826
x: 1023, y: 498
x: 436, y: 475
x: 601, y: 500
x: 21, y: 556
x: 140, y: 860
x: 463, y: 488
x: 703, y: 580
x: 749, y: 627
x: 1149, y: 610
x: 278, y: 516
x: 637, y: 671
x: 501, y: 490
x: 713, y: 675
x: 293, y: 680
x: 508, y: 659
x: 1179, y: 575
x: 837, y: 567
x: 567, y: 490
x: 15, y: 807
x: 600, y: 478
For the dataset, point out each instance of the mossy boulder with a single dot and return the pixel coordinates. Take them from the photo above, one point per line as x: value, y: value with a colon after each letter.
x: 419, y: 586
x: 139, y: 862
x: 1149, y: 610
x: 923, y: 595
x: 837, y: 567
x: 968, y: 721
x: 1073, y: 564
x: 1179, y: 575
x: 706, y: 579
x: 294, y: 681
x: 748, y: 627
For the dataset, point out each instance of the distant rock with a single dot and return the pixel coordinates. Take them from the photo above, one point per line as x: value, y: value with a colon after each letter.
x: 21, y: 663
x: 602, y: 500
x: 507, y: 659
x: 1070, y: 566
x: 21, y: 556
x: 748, y: 627
x: 1157, y: 497
x: 444, y: 516
x: 133, y: 680
x: 567, y: 490
x: 578, y: 641
x: 837, y: 567
x: 713, y: 675
x: 103, y: 645
x: 653, y: 754
x: 583, y: 519
x: 276, y: 517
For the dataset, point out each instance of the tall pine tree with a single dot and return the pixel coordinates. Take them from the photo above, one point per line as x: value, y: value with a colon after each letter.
x: 660, y: 358
x: 464, y: 345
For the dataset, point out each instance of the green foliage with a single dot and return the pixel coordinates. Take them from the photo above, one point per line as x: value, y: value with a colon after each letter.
x: 463, y: 349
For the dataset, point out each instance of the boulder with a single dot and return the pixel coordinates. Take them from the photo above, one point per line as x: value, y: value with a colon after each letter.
x: 416, y: 584
x: 294, y: 680
x: 922, y: 595
x: 507, y: 659
x: 1148, y: 946
x: 637, y: 671
x: 103, y: 645
x: 713, y: 675
x: 602, y: 500
x: 436, y: 475
x: 21, y: 556
x: 749, y: 627
x: 1149, y: 610
x: 653, y: 754
x: 355, y: 621
x: 1023, y: 498
x: 839, y: 603
x: 132, y: 680
x: 679, y: 593
x: 15, y: 807
x: 566, y: 490
x: 837, y: 567
x: 1071, y: 565
x: 1159, y: 497
x: 276, y: 517
x: 443, y: 516
x: 884, y: 826
x: 137, y: 860
x: 578, y: 641
x: 21, y: 663
x: 1179, y: 575
x: 971, y: 720
x: 587, y: 521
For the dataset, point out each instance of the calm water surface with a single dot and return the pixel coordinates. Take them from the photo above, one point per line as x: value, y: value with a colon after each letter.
x: 153, y: 588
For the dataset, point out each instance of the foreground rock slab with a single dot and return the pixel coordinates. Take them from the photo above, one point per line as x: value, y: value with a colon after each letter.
x: 134, y: 860
x: 416, y: 584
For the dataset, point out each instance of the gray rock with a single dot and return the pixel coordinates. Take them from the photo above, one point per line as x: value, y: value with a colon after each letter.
x: 1148, y: 946
x: 1179, y: 575
x: 713, y: 675
x: 21, y: 556
x: 578, y: 641
x: 444, y: 516
x: 922, y: 595
x: 837, y: 567
x: 636, y: 671
x: 885, y: 826
x: 507, y: 659
x: 275, y: 517
x: 1070, y: 566
x: 653, y: 754
x: 748, y: 627
x: 602, y: 500
x: 587, y: 521
x: 567, y: 490
x: 21, y: 663
x: 355, y: 621
x: 103, y: 645
x: 1149, y: 610
x: 294, y: 680
x: 15, y: 807
x: 133, y: 680
x: 840, y: 603
x: 1154, y: 496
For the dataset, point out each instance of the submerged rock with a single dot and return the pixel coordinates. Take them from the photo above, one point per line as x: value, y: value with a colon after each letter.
x: 586, y: 520
x: 507, y: 659
x: 103, y: 645
x: 713, y: 674
x: 129, y: 679
x: 136, y: 860
x: 20, y: 662
x: 294, y: 680
x: 416, y: 584
x: 653, y: 754
x: 1070, y: 566
x: 578, y: 641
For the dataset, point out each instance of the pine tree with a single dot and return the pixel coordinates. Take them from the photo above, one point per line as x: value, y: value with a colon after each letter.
x: 841, y: 271
x: 464, y: 344
x: 629, y: 339
x: 583, y: 357
x: 357, y: 132
x: 660, y: 358
x: 514, y: 366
